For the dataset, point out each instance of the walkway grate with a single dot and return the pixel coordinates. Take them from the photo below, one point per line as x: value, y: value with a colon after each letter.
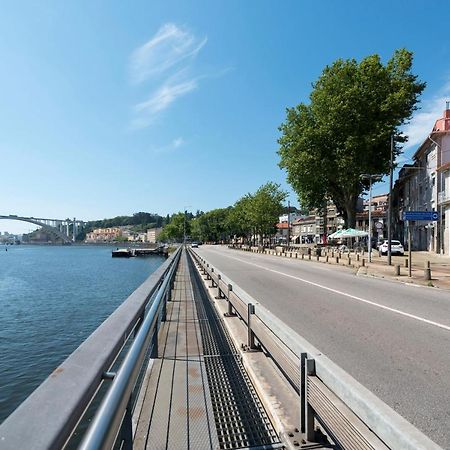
x: 241, y: 421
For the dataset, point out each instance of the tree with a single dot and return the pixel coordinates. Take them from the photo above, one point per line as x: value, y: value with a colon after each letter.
x: 212, y: 225
x: 345, y: 130
x: 176, y: 228
x: 266, y: 207
x: 239, y: 221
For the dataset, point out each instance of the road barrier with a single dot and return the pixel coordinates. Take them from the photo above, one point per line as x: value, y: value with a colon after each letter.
x: 352, y: 416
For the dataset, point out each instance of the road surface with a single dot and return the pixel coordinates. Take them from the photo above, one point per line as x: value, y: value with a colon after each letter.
x: 391, y: 337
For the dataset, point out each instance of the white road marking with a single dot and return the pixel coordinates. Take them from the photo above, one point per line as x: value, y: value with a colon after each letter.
x: 354, y: 297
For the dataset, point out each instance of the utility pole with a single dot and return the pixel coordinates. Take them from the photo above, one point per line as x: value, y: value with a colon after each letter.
x: 184, y: 228
x: 289, y: 224
x: 391, y: 176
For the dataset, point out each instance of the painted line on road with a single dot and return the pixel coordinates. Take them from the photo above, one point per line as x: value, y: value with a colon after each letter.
x: 354, y: 297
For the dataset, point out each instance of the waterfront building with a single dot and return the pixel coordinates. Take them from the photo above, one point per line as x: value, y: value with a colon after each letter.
x: 424, y: 185
x: 153, y: 234
x: 104, y: 234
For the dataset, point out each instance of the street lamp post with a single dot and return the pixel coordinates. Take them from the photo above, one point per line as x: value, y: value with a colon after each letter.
x: 370, y: 177
x: 389, y: 227
x: 289, y: 224
x: 184, y: 223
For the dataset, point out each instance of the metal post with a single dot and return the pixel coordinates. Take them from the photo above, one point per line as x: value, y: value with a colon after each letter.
x: 289, y: 224
x: 370, y: 220
x: 409, y: 250
x: 391, y: 176
x: 184, y: 227
x: 230, y: 307
x: 303, y: 357
x: 250, y: 334
x: 309, y: 412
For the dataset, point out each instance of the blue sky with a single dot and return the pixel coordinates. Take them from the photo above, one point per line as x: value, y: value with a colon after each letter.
x: 109, y: 108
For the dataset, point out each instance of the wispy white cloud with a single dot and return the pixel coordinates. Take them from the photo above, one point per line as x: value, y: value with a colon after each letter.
x: 160, y: 99
x: 167, y: 48
x: 423, y: 121
x: 174, y: 145
x: 166, y: 62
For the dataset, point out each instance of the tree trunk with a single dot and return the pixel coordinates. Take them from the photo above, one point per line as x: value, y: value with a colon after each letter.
x: 350, y: 211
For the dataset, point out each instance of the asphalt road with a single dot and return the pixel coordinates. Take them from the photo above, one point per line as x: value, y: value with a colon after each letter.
x: 391, y: 337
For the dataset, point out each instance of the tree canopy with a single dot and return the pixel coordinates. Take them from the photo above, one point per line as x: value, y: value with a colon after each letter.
x: 252, y: 215
x: 346, y: 128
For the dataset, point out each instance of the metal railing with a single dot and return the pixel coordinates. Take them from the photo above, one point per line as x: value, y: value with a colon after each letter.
x: 49, y: 416
x: 115, y: 411
x: 353, y: 416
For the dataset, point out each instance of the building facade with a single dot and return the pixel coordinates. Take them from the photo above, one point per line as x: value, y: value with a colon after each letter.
x: 425, y: 186
x: 104, y: 234
x: 152, y: 235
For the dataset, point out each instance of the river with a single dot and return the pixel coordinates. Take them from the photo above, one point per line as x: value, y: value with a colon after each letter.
x: 51, y: 299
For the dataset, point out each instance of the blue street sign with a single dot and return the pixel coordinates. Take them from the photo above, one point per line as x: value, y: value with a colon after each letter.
x: 429, y: 216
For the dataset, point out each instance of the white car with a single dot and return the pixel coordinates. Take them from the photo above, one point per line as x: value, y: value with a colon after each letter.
x: 396, y: 248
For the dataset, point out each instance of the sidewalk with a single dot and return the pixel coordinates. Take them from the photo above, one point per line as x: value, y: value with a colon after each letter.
x: 440, y: 265
x: 440, y: 269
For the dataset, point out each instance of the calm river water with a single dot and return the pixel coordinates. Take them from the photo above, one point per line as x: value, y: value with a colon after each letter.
x: 51, y: 300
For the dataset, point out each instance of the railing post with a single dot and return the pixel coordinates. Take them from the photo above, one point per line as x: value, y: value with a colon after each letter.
x: 303, y: 357
x: 309, y: 412
x: 213, y: 284
x: 230, y: 312
x: 219, y: 292
x: 250, y: 334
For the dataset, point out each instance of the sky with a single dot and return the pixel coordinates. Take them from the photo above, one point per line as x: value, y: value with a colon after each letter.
x: 109, y: 108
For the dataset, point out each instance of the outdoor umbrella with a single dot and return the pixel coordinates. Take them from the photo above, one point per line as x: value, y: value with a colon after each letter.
x: 351, y: 232
x: 335, y: 235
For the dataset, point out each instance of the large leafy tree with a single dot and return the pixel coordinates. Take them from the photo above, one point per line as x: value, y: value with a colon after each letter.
x: 267, y: 205
x: 174, y: 231
x: 345, y: 130
x: 211, y: 226
x: 257, y: 214
x: 239, y: 221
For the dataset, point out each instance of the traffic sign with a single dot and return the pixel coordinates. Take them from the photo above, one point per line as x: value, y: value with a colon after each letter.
x: 378, y: 225
x: 429, y: 216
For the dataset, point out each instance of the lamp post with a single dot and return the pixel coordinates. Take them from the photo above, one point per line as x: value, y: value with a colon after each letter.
x: 184, y: 224
x: 370, y: 177
x: 289, y: 224
x: 391, y: 177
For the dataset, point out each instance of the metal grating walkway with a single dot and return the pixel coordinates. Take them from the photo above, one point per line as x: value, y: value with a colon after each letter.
x: 198, y: 395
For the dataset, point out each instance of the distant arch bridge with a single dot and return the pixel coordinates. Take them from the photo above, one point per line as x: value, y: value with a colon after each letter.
x: 65, y: 229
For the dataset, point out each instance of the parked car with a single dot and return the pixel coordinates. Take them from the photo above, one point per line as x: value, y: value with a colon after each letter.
x: 396, y: 248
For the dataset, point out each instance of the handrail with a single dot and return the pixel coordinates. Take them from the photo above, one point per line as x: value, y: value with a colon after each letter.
x: 47, y: 418
x: 391, y: 428
x: 104, y: 428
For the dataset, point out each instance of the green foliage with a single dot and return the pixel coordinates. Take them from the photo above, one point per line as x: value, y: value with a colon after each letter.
x: 345, y: 130
x: 211, y: 226
x: 140, y: 222
x: 257, y: 214
x: 266, y: 207
x: 174, y: 231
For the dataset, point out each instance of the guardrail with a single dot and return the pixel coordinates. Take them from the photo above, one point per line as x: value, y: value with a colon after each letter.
x: 352, y: 416
x: 48, y: 417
